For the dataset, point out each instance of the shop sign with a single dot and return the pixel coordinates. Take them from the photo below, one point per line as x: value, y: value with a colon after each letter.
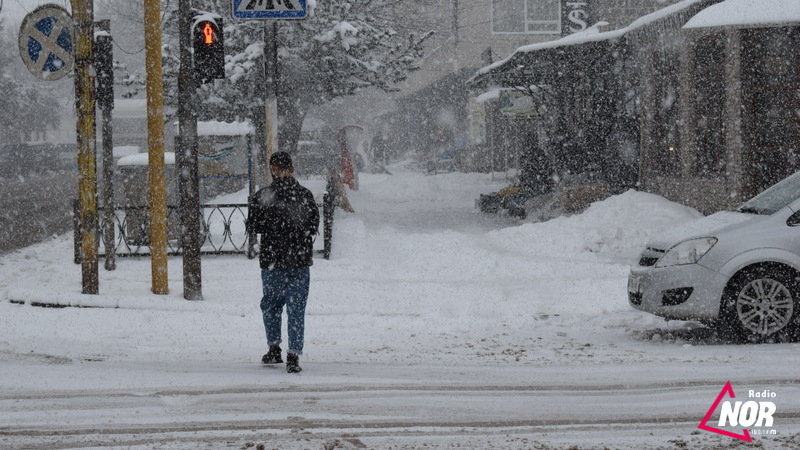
x: 517, y: 105
x: 222, y: 156
x: 576, y: 16
x: 477, y: 122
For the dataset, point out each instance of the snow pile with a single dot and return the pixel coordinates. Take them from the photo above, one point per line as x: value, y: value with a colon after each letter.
x: 618, y: 227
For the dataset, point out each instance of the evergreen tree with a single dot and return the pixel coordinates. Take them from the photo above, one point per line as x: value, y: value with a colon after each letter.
x: 338, y: 50
x: 28, y: 107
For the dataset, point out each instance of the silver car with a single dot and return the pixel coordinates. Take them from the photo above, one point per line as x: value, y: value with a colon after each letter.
x: 737, y: 269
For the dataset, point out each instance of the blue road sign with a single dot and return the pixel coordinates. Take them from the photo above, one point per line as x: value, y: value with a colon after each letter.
x: 269, y: 9
x: 46, y: 42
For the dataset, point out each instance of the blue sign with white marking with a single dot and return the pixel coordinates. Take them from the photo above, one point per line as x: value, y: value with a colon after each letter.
x: 46, y: 42
x: 269, y: 9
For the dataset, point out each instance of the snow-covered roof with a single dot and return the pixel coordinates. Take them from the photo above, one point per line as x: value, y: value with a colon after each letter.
x: 593, y: 34
x: 216, y: 128
x: 142, y: 159
x: 121, y: 151
x: 747, y: 13
x: 488, y: 95
x: 130, y: 108
x: 205, y: 16
x: 589, y: 35
x: 495, y: 93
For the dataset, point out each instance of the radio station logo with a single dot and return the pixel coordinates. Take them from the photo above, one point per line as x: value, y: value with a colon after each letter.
x: 741, y: 419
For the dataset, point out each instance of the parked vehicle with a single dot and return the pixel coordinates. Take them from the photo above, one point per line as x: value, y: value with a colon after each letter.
x: 739, y: 270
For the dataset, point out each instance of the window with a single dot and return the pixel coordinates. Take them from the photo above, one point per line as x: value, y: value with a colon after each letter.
x: 526, y: 16
x: 666, y: 115
x: 771, y: 77
x: 770, y: 97
x: 708, y: 80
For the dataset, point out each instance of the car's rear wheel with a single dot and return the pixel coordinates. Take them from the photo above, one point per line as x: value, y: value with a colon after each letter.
x: 762, y: 303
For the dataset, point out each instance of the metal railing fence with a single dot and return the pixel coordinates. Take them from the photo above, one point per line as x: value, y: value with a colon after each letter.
x: 223, y: 227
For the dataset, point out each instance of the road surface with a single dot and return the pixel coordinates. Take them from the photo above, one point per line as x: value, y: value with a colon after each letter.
x: 382, y: 406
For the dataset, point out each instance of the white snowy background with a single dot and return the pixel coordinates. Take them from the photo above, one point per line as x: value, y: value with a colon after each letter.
x: 431, y: 325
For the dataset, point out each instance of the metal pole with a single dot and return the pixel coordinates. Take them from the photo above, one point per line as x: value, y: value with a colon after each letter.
x: 454, y: 22
x: 105, y: 100
x: 83, y: 14
x: 109, y: 238
x: 76, y: 231
x: 271, y: 91
x: 328, y: 207
x: 251, y: 236
x: 155, y: 144
x: 191, y: 239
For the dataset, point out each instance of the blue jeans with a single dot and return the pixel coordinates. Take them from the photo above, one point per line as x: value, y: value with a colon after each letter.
x: 287, y: 287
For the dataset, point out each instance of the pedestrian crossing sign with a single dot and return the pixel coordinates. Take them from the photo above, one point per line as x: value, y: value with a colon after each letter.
x: 269, y: 9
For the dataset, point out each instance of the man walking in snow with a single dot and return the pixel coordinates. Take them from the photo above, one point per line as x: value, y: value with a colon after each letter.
x: 286, y: 216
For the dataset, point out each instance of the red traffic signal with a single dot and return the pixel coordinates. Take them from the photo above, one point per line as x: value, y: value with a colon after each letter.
x: 209, y: 51
x: 208, y: 32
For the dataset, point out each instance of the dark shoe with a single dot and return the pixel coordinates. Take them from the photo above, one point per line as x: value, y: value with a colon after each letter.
x: 292, y: 363
x: 273, y: 356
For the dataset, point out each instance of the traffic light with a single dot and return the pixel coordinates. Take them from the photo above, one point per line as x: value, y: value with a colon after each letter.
x: 209, y: 53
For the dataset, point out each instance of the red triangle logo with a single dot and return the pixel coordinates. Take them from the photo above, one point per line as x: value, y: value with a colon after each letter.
x: 728, y: 389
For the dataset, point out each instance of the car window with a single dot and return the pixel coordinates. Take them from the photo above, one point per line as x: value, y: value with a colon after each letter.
x: 774, y: 198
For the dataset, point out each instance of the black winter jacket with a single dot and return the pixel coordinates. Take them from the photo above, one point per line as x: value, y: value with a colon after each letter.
x: 286, y: 216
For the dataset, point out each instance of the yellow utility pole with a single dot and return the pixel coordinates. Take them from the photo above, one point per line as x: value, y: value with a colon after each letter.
x: 155, y: 144
x: 83, y: 14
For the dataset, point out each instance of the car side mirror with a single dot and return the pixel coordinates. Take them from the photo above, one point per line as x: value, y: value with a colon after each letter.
x: 794, y: 220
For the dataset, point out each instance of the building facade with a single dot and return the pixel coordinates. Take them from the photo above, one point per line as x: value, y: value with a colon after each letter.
x: 739, y: 120
x: 471, y: 35
x: 701, y: 96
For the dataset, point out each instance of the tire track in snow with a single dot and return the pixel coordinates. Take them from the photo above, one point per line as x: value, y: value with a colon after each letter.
x: 176, y: 417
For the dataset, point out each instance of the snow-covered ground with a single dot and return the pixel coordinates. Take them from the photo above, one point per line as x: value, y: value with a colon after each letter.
x: 432, y: 325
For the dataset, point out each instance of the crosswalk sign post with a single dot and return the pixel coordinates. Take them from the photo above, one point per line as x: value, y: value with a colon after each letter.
x: 269, y: 9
